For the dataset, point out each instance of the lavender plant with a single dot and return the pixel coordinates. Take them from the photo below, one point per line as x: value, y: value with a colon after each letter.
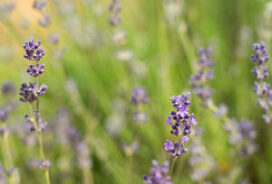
x: 31, y: 93
x: 241, y: 134
x: 262, y: 88
x: 158, y: 174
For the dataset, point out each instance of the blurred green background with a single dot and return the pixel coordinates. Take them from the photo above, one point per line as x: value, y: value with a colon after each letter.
x: 85, y: 77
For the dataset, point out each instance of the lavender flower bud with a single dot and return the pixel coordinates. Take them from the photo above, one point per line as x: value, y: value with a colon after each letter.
x: 260, y: 72
x: 139, y: 96
x: 35, y: 70
x: 33, y: 52
x: 27, y: 92
x: 158, y: 174
x: 115, y: 9
x: 8, y: 88
x: 42, y: 90
x: 205, y: 60
x: 39, y: 4
x: 260, y: 56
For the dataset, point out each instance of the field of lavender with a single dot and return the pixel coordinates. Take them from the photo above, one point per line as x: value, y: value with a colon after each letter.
x: 128, y: 92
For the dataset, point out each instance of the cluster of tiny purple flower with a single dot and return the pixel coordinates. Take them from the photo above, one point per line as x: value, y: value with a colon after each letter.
x: 262, y: 88
x: 242, y: 135
x: 30, y: 92
x: 204, y: 75
x: 182, y: 125
x: 115, y: 9
x: 158, y: 174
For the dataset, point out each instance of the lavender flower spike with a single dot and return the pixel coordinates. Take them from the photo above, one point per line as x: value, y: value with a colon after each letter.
x: 204, y: 75
x: 260, y: 71
x: 31, y: 93
x: 158, y: 174
x: 180, y: 123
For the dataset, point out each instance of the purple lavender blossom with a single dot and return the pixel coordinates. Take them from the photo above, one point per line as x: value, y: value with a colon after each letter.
x: 260, y: 56
x: 33, y: 52
x: 139, y: 96
x: 27, y: 92
x: 181, y: 126
x: 242, y: 134
x: 39, y: 5
x: 204, y: 75
x: 260, y: 71
x: 115, y: 9
x: 177, y: 148
x: 158, y: 174
x: 205, y: 60
x: 35, y: 70
x: 42, y: 90
x: 8, y: 88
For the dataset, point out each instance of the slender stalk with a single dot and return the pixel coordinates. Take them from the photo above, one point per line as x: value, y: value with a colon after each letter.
x: 172, y: 166
x: 129, y: 169
x: 87, y: 175
x: 40, y: 140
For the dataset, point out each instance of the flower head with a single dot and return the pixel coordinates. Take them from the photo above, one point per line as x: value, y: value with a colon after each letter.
x: 158, y: 174
x: 204, y: 75
x: 260, y: 55
x: 33, y: 52
x: 139, y: 96
x: 181, y: 121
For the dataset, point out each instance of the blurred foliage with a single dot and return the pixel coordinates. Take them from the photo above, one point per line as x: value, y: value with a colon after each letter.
x: 168, y: 52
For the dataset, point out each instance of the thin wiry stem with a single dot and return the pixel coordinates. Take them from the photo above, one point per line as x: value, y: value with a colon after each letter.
x: 172, y: 166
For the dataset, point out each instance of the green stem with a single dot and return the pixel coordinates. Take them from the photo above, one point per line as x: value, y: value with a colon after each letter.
x: 129, y: 169
x: 40, y: 140
x: 87, y: 176
x: 172, y: 166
